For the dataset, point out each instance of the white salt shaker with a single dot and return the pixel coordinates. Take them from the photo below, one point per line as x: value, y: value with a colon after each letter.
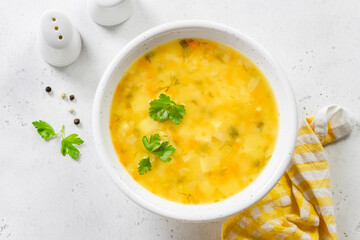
x: 59, y: 40
x: 110, y: 12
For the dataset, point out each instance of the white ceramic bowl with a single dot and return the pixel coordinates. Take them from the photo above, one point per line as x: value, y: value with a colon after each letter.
x: 207, y: 30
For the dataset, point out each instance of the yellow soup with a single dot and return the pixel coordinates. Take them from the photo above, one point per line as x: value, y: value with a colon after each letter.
x: 227, y: 135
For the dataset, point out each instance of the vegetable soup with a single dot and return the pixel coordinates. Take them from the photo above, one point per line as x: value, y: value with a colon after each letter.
x: 194, y: 121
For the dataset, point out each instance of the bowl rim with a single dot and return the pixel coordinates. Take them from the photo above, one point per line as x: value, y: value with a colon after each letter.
x: 96, y: 120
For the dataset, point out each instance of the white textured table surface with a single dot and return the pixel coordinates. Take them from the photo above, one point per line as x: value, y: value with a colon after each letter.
x: 46, y: 196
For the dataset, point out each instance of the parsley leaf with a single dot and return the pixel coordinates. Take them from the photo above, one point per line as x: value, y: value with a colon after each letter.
x: 153, y: 144
x: 144, y: 165
x: 165, y: 151
x: 164, y: 109
x: 44, y: 129
x: 67, y: 146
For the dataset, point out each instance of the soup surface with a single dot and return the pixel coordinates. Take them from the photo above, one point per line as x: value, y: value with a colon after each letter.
x: 227, y: 135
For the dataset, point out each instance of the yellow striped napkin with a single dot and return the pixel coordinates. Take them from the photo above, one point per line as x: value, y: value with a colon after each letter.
x: 300, y: 206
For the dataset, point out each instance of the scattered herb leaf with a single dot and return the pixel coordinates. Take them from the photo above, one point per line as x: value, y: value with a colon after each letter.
x: 67, y: 146
x: 144, y: 165
x: 46, y: 132
x: 44, y: 129
x: 164, y: 109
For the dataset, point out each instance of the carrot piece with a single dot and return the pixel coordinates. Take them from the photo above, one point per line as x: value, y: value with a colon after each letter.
x: 192, y: 43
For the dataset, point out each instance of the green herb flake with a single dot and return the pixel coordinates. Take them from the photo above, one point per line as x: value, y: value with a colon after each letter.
x: 233, y: 132
x: 148, y: 56
x: 183, y: 43
x: 185, y: 46
x: 260, y: 125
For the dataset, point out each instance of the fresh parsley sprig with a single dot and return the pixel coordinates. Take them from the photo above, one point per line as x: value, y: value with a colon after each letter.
x: 154, y: 145
x: 164, y: 109
x: 160, y: 109
x: 67, y: 143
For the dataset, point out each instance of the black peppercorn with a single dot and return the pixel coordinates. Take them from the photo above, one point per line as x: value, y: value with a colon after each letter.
x: 72, y: 97
x: 76, y: 121
x: 48, y: 89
